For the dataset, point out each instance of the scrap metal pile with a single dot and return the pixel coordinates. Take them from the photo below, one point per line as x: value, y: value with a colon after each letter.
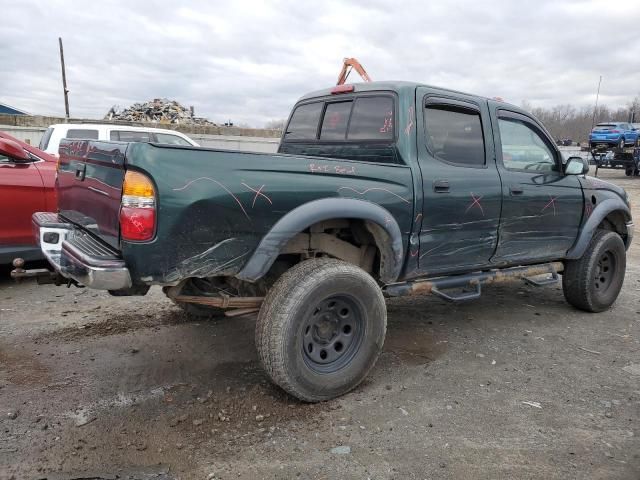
x: 158, y: 110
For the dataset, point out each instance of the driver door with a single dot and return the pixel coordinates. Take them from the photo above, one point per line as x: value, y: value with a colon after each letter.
x: 541, y: 206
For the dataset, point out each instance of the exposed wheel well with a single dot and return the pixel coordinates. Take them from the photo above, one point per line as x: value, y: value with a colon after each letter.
x: 615, y: 222
x: 359, y: 242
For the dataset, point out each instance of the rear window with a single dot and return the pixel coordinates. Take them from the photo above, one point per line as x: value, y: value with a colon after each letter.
x: 367, y: 118
x: 372, y: 119
x: 130, y: 136
x: 605, y: 126
x: 304, y: 122
x: 82, y: 134
x: 336, y: 119
x: 44, y: 141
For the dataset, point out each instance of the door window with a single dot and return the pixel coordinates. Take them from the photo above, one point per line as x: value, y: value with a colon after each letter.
x: 523, y: 148
x: 454, y: 135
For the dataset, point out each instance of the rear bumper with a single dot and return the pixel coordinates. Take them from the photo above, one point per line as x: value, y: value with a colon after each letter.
x: 76, y: 255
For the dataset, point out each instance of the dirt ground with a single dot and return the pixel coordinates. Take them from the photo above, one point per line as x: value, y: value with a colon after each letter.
x: 515, y: 385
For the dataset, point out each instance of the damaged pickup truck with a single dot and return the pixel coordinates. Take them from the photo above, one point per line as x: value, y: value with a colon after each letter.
x: 378, y: 189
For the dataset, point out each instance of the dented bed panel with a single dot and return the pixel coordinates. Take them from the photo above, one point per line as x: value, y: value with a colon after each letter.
x: 214, y: 207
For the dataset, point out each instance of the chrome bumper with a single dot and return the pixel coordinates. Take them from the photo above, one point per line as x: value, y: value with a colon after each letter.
x: 77, y: 255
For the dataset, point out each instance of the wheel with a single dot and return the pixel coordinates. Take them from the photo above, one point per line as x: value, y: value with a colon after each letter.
x: 593, y: 282
x: 321, y: 328
x: 621, y: 143
x: 628, y: 171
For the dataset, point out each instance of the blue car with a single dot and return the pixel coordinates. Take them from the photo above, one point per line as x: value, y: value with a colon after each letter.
x: 614, y: 134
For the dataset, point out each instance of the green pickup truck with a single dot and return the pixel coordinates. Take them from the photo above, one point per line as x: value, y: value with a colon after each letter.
x: 378, y: 189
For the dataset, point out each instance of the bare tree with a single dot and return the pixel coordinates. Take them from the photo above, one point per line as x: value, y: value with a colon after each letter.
x: 277, y: 124
x: 568, y: 122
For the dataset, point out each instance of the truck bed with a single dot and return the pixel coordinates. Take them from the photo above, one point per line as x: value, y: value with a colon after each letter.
x: 213, y: 206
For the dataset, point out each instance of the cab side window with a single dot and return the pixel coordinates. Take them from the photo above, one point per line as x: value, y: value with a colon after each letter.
x: 523, y: 148
x: 454, y: 135
x: 130, y: 136
x: 82, y: 134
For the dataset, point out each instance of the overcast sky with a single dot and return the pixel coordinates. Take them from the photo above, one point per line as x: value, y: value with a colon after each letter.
x: 249, y: 61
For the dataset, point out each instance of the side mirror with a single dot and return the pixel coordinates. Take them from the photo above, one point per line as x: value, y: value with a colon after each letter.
x: 576, y: 166
x: 13, y: 150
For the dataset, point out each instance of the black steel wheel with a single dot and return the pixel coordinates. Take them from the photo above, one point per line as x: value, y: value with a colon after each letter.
x: 332, y: 333
x: 321, y: 328
x: 605, y: 271
x: 593, y: 282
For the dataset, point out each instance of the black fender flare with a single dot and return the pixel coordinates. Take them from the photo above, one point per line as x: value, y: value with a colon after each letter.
x: 599, y: 213
x: 316, y: 211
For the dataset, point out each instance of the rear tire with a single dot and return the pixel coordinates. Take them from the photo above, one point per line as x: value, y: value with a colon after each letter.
x: 321, y: 329
x: 593, y: 282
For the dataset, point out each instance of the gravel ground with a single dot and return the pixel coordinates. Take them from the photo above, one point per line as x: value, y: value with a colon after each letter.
x: 515, y: 385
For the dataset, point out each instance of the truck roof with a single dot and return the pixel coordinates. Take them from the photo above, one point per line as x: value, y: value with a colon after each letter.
x: 393, y: 85
x: 114, y: 125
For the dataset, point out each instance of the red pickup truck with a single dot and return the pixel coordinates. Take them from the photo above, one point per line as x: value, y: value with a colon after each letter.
x: 27, y: 185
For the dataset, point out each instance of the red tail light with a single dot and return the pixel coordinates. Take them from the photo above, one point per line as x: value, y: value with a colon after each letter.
x: 138, y: 208
x: 614, y: 131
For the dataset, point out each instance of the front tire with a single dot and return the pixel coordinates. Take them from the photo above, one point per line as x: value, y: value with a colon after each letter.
x: 593, y: 282
x: 321, y: 328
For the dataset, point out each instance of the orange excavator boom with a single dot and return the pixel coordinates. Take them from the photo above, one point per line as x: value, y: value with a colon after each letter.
x: 349, y: 64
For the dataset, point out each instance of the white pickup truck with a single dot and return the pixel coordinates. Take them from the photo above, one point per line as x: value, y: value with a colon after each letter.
x: 50, y: 141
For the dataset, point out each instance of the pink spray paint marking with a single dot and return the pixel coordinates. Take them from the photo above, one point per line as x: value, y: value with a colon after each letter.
x: 188, y: 184
x: 258, y: 193
x: 409, y: 126
x: 475, y: 202
x: 552, y: 203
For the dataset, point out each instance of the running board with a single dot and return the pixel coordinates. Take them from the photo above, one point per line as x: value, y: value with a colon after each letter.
x: 474, y: 281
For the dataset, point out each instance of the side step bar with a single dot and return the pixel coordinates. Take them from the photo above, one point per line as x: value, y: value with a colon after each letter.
x: 474, y: 282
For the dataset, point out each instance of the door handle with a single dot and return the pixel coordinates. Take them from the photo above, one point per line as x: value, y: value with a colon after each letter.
x: 516, y: 190
x: 80, y: 172
x: 441, y: 186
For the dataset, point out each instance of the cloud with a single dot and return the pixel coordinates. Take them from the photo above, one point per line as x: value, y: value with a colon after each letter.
x: 249, y: 61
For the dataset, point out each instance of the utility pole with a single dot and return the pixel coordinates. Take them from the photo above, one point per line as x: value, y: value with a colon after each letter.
x: 64, y: 81
x: 593, y: 120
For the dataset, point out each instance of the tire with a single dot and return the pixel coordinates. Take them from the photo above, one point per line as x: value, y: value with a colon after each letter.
x: 593, y: 282
x: 629, y: 171
x: 321, y: 305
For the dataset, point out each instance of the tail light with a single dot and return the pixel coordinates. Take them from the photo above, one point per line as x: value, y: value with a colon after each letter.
x: 614, y: 131
x: 342, y: 89
x: 137, y: 208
